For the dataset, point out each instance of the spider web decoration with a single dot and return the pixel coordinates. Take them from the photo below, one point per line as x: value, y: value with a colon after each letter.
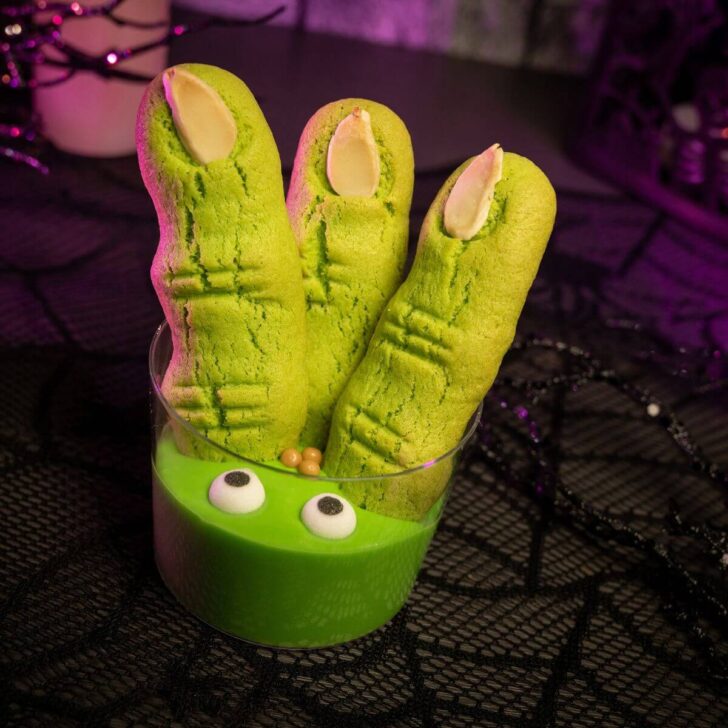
x: 29, y: 30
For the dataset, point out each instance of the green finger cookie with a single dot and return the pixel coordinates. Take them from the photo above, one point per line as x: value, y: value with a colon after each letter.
x: 440, y: 341
x: 348, y: 202
x: 226, y: 270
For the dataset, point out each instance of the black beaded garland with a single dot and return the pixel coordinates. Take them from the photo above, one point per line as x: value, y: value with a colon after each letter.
x: 28, y: 30
x: 694, y: 601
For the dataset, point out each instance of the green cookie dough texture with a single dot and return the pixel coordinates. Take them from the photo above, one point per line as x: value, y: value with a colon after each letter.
x: 353, y: 251
x: 228, y: 277
x: 439, y: 343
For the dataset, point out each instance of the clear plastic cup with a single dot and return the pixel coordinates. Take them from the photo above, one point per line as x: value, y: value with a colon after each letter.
x: 264, y: 576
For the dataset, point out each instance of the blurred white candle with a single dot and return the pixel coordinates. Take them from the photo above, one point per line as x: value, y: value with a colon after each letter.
x: 89, y: 114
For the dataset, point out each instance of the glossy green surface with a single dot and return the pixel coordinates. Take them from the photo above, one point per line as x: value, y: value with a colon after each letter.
x: 263, y: 576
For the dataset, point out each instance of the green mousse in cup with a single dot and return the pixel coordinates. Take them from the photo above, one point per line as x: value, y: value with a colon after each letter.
x: 274, y: 557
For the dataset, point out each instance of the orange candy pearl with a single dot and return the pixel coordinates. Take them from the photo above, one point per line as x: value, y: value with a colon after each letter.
x: 312, y: 453
x: 291, y: 458
x: 309, y: 467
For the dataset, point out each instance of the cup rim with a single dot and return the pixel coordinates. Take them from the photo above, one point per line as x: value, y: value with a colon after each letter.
x: 472, y: 425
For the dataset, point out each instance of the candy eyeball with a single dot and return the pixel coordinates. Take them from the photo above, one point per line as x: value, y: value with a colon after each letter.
x: 237, y: 491
x: 329, y: 516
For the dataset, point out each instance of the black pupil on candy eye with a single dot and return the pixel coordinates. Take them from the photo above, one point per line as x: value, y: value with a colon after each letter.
x: 330, y: 506
x: 237, y: 478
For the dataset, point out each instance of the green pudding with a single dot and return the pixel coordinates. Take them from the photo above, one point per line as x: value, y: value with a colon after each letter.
x: 264, y: 576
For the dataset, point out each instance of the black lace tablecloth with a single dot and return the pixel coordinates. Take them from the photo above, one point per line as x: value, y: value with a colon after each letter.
x: 525, y: 613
